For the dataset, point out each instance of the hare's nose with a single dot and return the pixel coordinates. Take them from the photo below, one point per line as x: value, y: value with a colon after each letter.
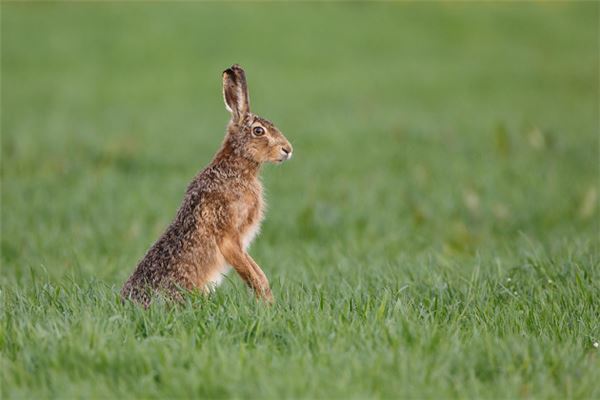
x: 287, y: 151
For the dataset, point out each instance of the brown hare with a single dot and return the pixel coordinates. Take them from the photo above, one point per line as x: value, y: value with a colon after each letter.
x: 221, y: 211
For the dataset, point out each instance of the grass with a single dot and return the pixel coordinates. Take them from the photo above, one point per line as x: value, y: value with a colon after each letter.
x: 435, y: 236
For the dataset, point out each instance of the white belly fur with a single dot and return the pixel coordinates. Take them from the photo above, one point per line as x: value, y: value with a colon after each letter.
x: 250, y: 234
x: 217, y: 278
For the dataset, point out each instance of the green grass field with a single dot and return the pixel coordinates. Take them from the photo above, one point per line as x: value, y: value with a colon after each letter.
x: 436, y: 234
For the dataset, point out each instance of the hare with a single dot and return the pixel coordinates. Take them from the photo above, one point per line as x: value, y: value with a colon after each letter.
x: 221, y: 212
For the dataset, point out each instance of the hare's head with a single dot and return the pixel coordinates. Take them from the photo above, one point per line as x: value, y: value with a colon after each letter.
x: 248, y: 134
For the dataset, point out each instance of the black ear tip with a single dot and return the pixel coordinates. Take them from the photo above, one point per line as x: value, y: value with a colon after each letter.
x: 234, y: 70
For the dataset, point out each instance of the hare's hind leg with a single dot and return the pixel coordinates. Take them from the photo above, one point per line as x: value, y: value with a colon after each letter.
x: 217, y: 274
x: 249, y: 271
x: 206, y: 269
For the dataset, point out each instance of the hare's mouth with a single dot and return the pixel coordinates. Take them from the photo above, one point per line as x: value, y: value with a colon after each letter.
x: 284, y: 158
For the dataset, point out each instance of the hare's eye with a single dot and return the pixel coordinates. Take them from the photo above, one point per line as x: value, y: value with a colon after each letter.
x: 258, y: 131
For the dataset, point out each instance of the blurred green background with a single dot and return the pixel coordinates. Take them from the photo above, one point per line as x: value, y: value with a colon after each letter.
x: 428, y: 138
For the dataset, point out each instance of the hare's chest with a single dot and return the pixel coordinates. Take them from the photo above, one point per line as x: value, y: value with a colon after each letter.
x: 250, y: 233
x: 250, y: 215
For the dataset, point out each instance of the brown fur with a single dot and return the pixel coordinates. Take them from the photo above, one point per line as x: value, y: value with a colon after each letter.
x: 222, y: 208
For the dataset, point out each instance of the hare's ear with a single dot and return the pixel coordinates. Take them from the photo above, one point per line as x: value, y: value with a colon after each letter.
x: 235, y: 91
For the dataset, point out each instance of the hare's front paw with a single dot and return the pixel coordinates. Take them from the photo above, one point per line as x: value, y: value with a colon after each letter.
x: 267, y: 296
